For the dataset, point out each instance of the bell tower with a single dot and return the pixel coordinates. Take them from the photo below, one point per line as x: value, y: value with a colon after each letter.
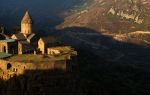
x: 26, y: 24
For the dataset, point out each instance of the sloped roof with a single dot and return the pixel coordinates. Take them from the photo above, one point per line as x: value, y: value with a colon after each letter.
x: 18, y: 36
x: 23, y: 42
x: 50, y: 39
x: 2, y: 37
x: 8, y: 40
x: 26, y: 46
x: 6, y: 36
x: 31, y: 36
x: 26, y: 18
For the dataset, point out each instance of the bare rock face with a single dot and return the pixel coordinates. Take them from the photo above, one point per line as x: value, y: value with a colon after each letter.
x: 112, y: 16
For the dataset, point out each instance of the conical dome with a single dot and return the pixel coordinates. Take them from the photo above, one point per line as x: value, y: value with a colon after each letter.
x: 27, y: 18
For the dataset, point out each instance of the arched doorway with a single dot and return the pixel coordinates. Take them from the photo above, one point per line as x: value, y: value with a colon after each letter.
x: 9, y: 66
x: 4, y: 49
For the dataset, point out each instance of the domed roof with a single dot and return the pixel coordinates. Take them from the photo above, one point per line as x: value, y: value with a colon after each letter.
x: 26, y: 18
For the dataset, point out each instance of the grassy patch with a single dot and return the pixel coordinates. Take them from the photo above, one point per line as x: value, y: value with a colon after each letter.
x: 30, y: 58
x: 4, y: 55
x: 37, y: 58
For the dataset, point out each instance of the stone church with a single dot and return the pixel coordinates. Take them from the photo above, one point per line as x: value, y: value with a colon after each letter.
x: 23, y: 42
x: 27, y: 42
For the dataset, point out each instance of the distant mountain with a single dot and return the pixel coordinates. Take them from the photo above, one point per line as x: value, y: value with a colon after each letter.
x: 113, y: 16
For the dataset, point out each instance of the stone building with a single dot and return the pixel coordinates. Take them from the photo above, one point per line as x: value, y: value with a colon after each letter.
x: 8, y: 46
x: 28, y: 42
x: 46, y: 42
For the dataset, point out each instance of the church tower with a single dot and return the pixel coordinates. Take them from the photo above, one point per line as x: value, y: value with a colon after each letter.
x: 26, y: 24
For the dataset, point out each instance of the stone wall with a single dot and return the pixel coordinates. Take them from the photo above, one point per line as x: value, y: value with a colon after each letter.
x: 41, y: 46
x: 9, y: 69
x: 26, y: 28
x: 32, y: 66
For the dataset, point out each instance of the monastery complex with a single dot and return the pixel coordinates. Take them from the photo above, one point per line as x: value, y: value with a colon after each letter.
x: 26, y: 51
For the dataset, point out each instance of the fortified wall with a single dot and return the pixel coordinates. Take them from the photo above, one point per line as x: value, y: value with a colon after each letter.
x: 8, y: 69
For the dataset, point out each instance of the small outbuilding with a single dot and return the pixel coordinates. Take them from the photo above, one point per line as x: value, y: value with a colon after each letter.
x: 47, y: 42
x: 59, y: 50
x: 8, y: 46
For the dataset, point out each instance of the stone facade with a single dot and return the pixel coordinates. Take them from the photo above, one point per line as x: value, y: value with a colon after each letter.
x: 18, y: 68
x: 45, y: 43
x: 26, y: 24
x: 41, y: 46
x: 26, y: 28
x: 32, y: 66
x: 53, y: 51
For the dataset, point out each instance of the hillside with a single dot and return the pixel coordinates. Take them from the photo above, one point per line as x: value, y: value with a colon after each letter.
x: 115, y: 16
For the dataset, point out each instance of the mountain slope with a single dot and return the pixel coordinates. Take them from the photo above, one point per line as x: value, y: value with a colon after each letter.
x: 117, y: 16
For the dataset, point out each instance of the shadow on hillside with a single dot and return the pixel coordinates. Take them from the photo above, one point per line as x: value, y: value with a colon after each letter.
x: 105, y: 46
x: 105, y: 67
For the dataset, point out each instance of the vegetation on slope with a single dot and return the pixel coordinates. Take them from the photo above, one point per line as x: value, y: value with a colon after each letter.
x: 116, y: 16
